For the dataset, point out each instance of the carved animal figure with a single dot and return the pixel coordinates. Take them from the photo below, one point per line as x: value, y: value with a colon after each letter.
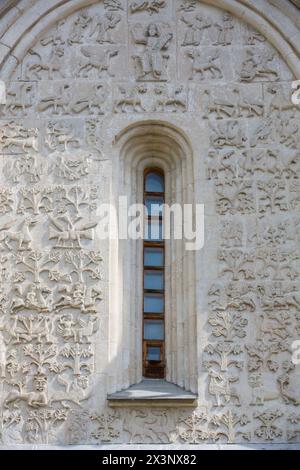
x: 228, y: 133
x: 35, y: 399
x: 219, y: 387
x: 61, y: 136
x: 169, y: 101
x: 33, y: 65
x: 19, y: 100
x: 78, y: 296
x: 26, y: 329
x: 242, y: 104
x: 60, y: 102
x: 131, y: 99
x: 201, y: 66
x: 75, y: 391
x: 57, y: 63
x: 224, y: 164
x: 147, y: 427
x: 220, y: 106
x: 23, y: 141
x: 275, y: 325
x: 95, y: 60
x: 22, y: 236
x: 33, y: 297
x: 257, y: 66
x: 277, y: 101
x: 68, y: 329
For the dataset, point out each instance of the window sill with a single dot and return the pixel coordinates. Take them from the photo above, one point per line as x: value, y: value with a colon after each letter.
x: 153, y: 393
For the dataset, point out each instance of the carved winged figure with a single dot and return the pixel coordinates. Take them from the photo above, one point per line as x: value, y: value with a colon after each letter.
x: 70, y: 234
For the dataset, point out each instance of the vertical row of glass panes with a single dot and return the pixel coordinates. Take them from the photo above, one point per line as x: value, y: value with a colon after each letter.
x: 154, y: 298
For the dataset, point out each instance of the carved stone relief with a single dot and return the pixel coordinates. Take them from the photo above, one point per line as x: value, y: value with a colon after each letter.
x: 81, y: 82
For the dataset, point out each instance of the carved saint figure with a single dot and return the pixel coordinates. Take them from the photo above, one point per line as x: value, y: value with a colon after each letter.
x: 225, y: 30
x: 196, y: 27
x: 151, y: 61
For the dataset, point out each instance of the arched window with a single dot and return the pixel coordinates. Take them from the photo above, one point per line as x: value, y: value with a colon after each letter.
x: 152, y: 159
x: 154, y: 282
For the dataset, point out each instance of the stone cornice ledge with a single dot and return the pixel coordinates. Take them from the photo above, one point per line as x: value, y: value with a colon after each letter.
x: 153, y: 394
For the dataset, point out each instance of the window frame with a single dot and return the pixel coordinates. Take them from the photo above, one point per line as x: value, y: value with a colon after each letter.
x: 157, y: 369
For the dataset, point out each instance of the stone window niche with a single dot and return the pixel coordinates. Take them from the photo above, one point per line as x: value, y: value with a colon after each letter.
x: 140, y: 147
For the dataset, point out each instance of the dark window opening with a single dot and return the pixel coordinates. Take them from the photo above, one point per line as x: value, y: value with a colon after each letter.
x: 154, y: 277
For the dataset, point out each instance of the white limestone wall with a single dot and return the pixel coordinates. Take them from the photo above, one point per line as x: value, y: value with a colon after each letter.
x: 78, y: 80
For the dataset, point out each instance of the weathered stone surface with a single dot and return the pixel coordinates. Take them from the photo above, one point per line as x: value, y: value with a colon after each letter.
x: 96, y: 92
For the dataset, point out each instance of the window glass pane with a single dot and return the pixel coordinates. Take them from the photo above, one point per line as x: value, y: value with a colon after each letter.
x: 154, y: 205
x: 153, y: 230
x: 153, y: 353
x: 154, y: 330
x: 153, y: 257
x: 154, y: 183
x: 153, y: 303
x: 153, y: 280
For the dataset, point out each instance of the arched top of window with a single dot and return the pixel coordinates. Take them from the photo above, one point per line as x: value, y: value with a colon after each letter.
x: 154, y: 181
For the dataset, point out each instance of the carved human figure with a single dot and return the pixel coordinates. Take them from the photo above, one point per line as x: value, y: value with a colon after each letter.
x: 78, y: 296
x: 196, y: 27
x: 259, y: 393
x: 33, y: 297
x: 220, y: 387
x: 151, y: 61
x: 224, y: 31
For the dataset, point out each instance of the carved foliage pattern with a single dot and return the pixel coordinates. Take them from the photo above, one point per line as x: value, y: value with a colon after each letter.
x: 195, y: 61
